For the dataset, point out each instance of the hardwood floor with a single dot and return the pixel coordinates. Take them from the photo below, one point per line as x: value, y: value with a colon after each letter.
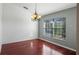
x: 34, y: 47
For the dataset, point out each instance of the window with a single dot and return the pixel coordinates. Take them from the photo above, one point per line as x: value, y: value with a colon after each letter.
x: 56, y: 27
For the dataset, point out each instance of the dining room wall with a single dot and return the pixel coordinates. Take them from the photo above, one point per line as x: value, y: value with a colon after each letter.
x: 17, y: 24
x: 70, y: 40
x: 0, y: 26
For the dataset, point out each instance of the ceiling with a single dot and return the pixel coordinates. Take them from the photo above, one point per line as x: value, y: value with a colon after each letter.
x: 47, y: 8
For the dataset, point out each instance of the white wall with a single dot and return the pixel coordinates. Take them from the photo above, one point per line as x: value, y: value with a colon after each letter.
x: 0, y: 26
x: 17, y: 24
x: 70, y: 40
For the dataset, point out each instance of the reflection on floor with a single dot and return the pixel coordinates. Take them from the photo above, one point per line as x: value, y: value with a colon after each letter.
x: 34, y: 47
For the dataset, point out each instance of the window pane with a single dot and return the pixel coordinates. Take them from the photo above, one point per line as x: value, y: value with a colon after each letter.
x: 55, y: 27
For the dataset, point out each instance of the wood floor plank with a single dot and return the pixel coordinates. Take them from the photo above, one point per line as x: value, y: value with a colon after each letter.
x: 34, y: 47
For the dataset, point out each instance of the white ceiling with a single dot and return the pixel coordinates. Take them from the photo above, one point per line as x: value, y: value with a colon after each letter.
x: 47, y: 8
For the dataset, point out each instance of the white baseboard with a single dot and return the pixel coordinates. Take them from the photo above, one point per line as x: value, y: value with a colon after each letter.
x: 44, y: 40
x: 18, y: 41
x: 58, y: 44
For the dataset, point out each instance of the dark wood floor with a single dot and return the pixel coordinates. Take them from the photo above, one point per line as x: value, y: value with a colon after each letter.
x: 34, y: 47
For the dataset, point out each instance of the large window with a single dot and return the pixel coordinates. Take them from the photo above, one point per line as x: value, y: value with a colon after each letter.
x: 56, y: 27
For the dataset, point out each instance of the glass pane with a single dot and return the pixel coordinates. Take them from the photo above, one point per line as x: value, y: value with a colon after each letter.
x: 55, y: 27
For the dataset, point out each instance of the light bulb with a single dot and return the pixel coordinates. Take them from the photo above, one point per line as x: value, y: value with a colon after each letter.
x: 38, y: 17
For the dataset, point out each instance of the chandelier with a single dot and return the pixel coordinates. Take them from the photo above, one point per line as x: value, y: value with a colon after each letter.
x: 35, y: 15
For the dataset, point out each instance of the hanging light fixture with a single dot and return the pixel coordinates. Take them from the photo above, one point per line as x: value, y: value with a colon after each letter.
x: 35, y: 16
